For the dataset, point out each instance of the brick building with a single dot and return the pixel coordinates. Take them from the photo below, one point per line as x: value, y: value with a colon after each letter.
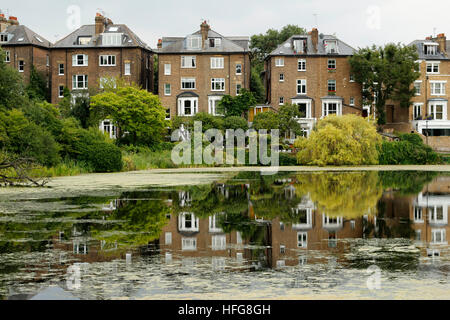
x: 429, y: 113
x: 196, y: 71
x: 313, y: 72
x: 24, y: 48
x: 87, y: 56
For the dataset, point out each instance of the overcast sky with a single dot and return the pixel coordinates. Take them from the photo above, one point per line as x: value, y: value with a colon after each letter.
x: 360, y: 23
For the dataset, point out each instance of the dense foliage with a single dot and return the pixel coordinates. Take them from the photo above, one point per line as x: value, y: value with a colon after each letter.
x: 340, y: 140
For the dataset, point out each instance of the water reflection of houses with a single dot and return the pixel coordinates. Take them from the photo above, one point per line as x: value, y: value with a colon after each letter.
x: 429, y: 212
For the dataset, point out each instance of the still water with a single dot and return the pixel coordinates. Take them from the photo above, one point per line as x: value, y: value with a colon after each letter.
x: 360, y: 235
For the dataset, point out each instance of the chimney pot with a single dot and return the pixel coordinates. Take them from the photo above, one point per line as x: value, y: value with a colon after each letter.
x: 159, y: 44
x: 99, y: 24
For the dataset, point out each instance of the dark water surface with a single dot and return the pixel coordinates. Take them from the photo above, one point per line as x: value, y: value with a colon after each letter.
x: 359, y: 235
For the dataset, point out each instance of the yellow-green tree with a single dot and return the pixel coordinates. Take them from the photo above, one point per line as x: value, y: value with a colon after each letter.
x: 340, y: 140
x: 349, y: 195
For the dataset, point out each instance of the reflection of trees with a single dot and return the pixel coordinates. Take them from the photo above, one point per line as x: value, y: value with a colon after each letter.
x: 341, y: 194
x: 406, y: 182
x: 142, y: 222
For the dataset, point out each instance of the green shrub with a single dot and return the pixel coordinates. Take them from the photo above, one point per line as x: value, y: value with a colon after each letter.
x: 235, y: 123
x: 287, y: 159
x: 266, y: 120
x: 409, y: 150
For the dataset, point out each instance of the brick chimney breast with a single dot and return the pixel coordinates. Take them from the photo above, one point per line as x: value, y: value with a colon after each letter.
x: 3, y: 23
x: 442, y: 41
x: 315, y: 38
x: 204, y: 29
x: 13, y: 21
x: 99, y: 24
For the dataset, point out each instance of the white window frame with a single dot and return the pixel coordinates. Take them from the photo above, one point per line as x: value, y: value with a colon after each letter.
x: 76, y: 61
x: 303, y: 242
x: 168, y: 238
x: 60, y: 92
x: 331, y: 82
x: 418, y: 85
x: 352, y: 101
x: 328, y: 47
x: 430, y: 49
x: 127, y: 69
x: 212, y: 105
x: 188, y: 244
x: 326, y: 109
x: 417, y: 110
x: 167, y: 69
x: 433, y: 64
x: 194, y: 222
x: 191, y: 40
x: 308, y: 114
x: 302, y: 83
x: 108, y: 126
x: 332, y: 62
x: 442, y: 236
x: 281, y: 78
x: 185, y: 81
x: 107, y: 60
x: 169, y: 92
x: 75, y: 81
x: 112, y: 39
x: 281, y: 101
x: 279, y: 62
x: 238, y: 67
x: 217, y: 62
x: 213, y: 228
x: 61, y: 66
x: 181, y: 107
x: 219, y: 242
x: 21, y: 66
x: 432, y: 109
x: 238, y: 88
x: 301, y: 65
x: 442, y: 85
x: 7, y: 56
x: 432, y: 215
x: 218, y: 81
x: 185, y: 62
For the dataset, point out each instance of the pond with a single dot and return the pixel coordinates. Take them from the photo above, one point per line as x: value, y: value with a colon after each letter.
x: 239, y: 235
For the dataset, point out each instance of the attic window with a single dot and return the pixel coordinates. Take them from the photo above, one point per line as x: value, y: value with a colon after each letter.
x: 215, y: 42
x: 430, y: 49
x: 20, y: 39
x: 113, y: 29
x: 331, y: 46
x: 299, y: 45
x: 112, y: 39
x: 3, y: 38
x: 83, y: 40
x: 39, y: 39
x: 193, y: 42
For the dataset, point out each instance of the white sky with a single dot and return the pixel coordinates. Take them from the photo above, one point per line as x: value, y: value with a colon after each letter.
x: 358, y: 23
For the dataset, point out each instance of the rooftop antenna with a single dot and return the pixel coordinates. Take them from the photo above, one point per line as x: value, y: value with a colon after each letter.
x: 316, y: 20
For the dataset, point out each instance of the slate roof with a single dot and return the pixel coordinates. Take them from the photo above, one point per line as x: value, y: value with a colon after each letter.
x: 287, y: 48
x: 129, y: 39
x: 28, y: 36
x: 422, y: 56
x: 228, y: 45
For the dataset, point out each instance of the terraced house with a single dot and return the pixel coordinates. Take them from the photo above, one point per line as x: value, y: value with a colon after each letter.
x: 92, y: 53
x: 197, y: 70
x: 24, y: 48
x: 312, y: 71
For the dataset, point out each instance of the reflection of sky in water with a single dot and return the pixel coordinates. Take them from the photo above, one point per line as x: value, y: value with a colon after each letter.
x: 245, y: 238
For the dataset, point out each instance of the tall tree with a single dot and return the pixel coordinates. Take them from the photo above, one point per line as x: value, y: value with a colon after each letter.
x: 386, y: 73
x: 237, y: 106
x: 37, y: 89
x: 12, y: 89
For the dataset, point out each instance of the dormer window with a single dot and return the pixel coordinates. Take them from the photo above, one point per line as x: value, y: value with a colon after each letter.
x: 82, y: 41
x: 3, y: 38
x: 299, y: 45
x: 430, y: 49
x: 215, y: 42
x: 112, y: 39
x: 331, y: 46
x: 193, y: 42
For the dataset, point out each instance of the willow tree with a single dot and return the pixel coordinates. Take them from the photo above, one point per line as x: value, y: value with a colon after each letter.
x: 386, y: 73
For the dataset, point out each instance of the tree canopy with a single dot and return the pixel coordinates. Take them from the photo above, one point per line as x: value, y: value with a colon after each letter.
x: 237, y: 106
x: 386, y: 73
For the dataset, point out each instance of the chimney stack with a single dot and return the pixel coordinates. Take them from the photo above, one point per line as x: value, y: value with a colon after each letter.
x: 159, y: 44
x: 99, y: 24
x: 442, y: 41
x: 3, y: 23
x: 204, y: 28
x: 13, y: 21
x: 315, y: 38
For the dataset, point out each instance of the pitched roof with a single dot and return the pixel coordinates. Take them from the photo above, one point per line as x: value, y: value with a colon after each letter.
x: 287, y: 47
x: 422, y: 56
x: 22, y: 35
x: 129, y: 38
x: 228, y: 44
